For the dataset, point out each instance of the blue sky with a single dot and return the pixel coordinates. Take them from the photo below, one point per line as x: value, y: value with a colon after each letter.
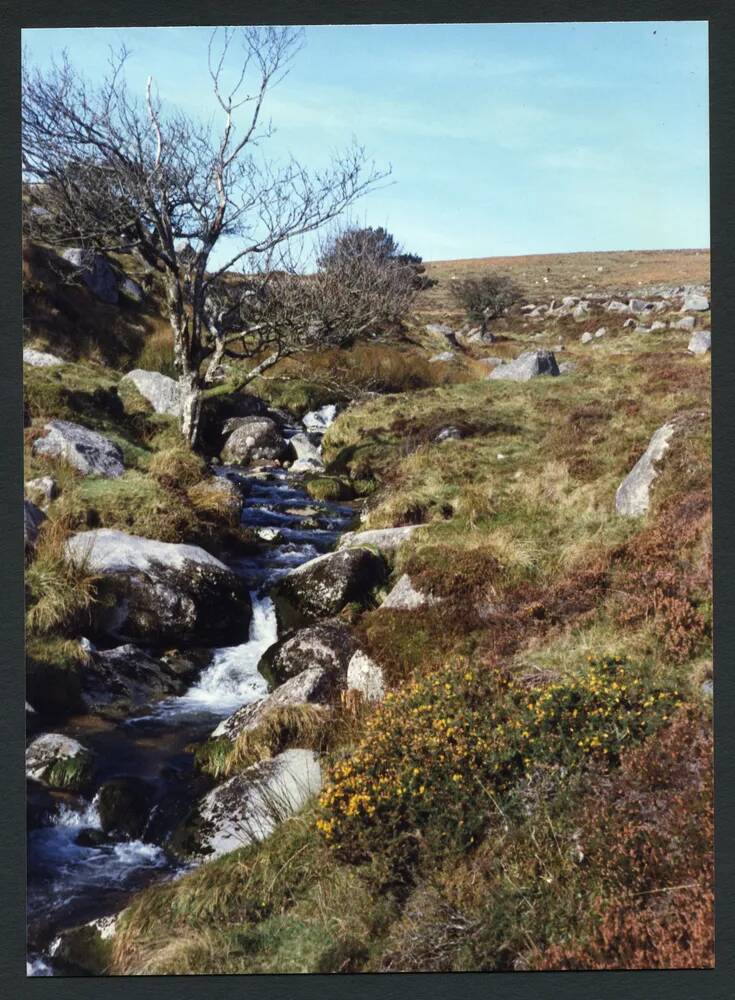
x: 503, y: 138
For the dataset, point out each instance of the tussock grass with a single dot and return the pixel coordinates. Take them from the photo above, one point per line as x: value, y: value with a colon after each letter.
x: 59, y: 595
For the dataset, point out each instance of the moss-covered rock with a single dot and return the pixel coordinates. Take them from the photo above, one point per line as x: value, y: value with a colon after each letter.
x: 124, y: 805
x: 328, y: 645
x: 330, y: 488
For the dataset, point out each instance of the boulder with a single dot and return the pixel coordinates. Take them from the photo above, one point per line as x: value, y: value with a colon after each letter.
x: 633, y: 495
x: 328, y: 645
x: 528, y: 365
x: 700, y: 342
x: 567, y: 366
x: 685, y: 323
x: 250, y: 806
x: 444, y: 356
x: 58, y: 761
x: 41, y: 491
x: 365, y: 676
x: 119, y: 681
x: 449, y: 433
x: 580, y: 312
x: 124, y: 804
x: 638, y: 305
x: 386, y: 540
x: 32, y: 521
x: 40, y: 359
x: 629, y: 324
x: 161, y: 592
x: 323, y: 586
x: 162, y: 392
x: 254, y: 439
x: 91, y: 453
x: 404, y: 596
x: 586, y: 337
x: 614, y: 306
x: 440, y: 330
x: 601, y: 332
x: 657, y: 325
x: 96, y: 272
x: 695, y: 302
x: 85, y: 950
x: 308, y: 456
x: 313, y: 686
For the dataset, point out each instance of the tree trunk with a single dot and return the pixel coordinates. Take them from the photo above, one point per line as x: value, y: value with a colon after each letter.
x: 191, y: 407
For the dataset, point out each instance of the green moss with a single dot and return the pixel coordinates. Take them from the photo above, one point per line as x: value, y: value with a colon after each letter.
x: 329, y: 488
x: 70, y: 774
x: 296, y: 395
x: 54, y: 676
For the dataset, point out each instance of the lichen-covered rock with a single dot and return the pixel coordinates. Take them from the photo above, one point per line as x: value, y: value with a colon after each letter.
x: 41, y: 491
x: 96, y: 273
x: 328, y: 645
x: 161, y: 592
x: 33, y: 518
x: 323, y: 586
x: 163, y: 393
x: 131, y: 290
x: 58, y: 761
x: 405, y: 596
x: 700, y: 342
x: 528, y: 365
x: 313, y: 686
x: 386, y: 540
x: 250, y: 806
x: 695, y: 302
x: 364, y: 675
x: 254, y: 439
x: 633, y: 495
x: 91, y: 453
x: 40, y: 359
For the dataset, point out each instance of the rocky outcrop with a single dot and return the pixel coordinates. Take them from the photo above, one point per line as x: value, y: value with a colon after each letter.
x: 58, y: 761
x: 33, y: 518
x: 250, y: 806
x: 91, y: 453
x: 313, y: 686
x: 162, y: 392
x: 386, y: 540
x: 364, y: 675
x: 323, y: 586
x: 328, y: 645
x: 96, y: 273
x: 633, y: 495
x: 254, y: 439
x: 161, y: 592
x: 40, y: 359
x: 528, y: 365
x: 700, y: 342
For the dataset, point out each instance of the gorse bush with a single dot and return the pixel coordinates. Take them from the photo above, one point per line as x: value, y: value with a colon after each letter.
x: 439, y: 755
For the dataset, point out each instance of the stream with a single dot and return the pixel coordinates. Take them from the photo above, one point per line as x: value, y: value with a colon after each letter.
x: 69, y: 884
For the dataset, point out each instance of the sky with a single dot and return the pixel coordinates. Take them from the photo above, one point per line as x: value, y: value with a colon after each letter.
x: 502, y: 139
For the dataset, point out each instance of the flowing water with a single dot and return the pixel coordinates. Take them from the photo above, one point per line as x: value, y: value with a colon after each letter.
x: 68, y: 883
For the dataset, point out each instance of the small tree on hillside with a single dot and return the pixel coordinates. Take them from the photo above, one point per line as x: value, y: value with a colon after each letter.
x: 380, y: 245
x: 485, y: 298
x: 110, y: 172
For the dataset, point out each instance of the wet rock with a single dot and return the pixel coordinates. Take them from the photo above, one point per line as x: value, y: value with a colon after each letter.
x: 161, y: 592
x: 163, y: 393
x: 386, y: 540
x: 89, y: 452
x: 323, y: 586
x: 96, y: 273
x: 250, y: 806
x: 313, y: 686
x: 40, y: 359
x: 328, y: 645
x: 633, y: 495
x: 116, y: 682
x: 41, y: 491
x: 528, y: 365
x: 254, y: 439
x: 404, y: 596
x: 33, y: 518
x: 87, y: 949
x: 364, y: 675
x: 58, y: 761
x: 124, y: 805
x: 700, y: 342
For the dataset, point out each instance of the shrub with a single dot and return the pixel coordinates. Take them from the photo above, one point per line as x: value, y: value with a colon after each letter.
x: 487, y: 297
x: 439, y: 754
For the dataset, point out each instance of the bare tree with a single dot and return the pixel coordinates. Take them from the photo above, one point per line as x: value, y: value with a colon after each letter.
x: 111, y: 172
x: 486, y: 297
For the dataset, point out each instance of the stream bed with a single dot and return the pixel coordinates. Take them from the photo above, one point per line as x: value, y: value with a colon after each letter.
x: 70, y: 884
